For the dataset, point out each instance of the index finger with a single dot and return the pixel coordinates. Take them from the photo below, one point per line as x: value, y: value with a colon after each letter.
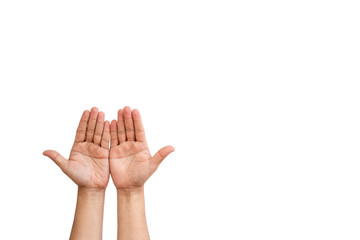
x: 139, y: 128
x: 81, y: 130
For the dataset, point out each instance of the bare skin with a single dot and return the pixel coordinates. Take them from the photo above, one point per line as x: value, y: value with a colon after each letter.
x: 88, y: 167
x: 131, y: 165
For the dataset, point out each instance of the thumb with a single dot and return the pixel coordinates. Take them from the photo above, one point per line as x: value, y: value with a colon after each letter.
x: 162, y: 154
x: 57, y: 158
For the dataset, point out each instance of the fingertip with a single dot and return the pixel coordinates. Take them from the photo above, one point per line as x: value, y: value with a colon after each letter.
x: 120, y: 114
x: 171, y: 148
x: 113, y: 125
x: 127, y: 113
x: 106, y: 126
x: 47, y: 153
x: 127, y: 109
x: 85, y: 115
x: 136, y: 112
x: 94, y: 109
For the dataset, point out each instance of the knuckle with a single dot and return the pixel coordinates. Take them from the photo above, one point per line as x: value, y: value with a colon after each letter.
x: 80, y: 131
x: 90, y: 131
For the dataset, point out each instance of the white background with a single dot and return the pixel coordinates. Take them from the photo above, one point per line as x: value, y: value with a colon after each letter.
x: 259, y: 98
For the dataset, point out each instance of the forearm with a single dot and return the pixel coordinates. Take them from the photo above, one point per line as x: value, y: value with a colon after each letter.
x: 89, y: 212
x: 131, y: 215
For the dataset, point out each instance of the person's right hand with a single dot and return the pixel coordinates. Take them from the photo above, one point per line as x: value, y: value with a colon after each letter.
x: 88, y: 164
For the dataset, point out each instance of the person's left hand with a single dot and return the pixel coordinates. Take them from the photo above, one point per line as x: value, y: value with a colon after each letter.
x: 131, y: 163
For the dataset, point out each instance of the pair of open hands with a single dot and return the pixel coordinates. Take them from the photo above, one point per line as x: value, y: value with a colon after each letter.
x: 128, y: 159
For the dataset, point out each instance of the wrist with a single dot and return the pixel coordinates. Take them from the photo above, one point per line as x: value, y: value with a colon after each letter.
x: 91, y: 194
x: 91, y: 189
x: 130, y: 192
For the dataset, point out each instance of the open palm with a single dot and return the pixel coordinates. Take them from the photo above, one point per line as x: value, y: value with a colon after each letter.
x: 88, y: 164
x: 131, y: 163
